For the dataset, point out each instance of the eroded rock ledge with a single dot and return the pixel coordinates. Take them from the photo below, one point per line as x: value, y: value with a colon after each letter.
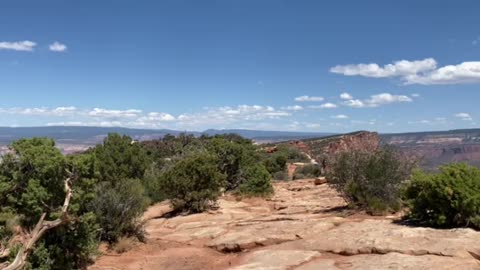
x: 302, y: 227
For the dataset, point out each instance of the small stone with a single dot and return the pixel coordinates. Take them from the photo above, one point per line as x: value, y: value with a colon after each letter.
x: 320, y: 181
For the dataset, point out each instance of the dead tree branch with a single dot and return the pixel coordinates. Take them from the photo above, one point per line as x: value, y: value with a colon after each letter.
x: 39, y: 230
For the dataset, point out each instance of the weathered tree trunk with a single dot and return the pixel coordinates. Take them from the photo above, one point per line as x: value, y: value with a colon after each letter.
x: 37, y: 233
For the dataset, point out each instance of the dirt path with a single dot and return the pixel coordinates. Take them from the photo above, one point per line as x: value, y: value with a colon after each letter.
x: 302, y: 227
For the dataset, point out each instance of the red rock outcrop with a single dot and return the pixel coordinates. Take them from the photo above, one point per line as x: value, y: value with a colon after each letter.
x: 363, y: 141
x: 322, y: 148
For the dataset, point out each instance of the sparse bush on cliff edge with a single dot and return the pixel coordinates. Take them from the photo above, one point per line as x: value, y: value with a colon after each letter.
x: 370, y: 180
x: 450, y: 198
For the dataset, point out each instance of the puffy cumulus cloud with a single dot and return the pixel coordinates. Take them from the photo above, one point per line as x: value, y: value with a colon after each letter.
x: 231, y: 117
x: 64, y: 111
x: 25, y: 45
x: 293, y: 108
x: 152, y: 119
x: 340, y: 116
x: 327, y: 105
x: 354, y: 103
x: 106, y: 113
x: 161, y: 116
x: 377, y: 100
x: 464, y: 116
x: 70, y: 115
x: 308, y: 99
x: 57, y: 47
x: 398, y: 68
x: 466, y: 72
x: 423, y: 71
x: 387, y: 98
x: 346, y: 96
x: 43, y: 111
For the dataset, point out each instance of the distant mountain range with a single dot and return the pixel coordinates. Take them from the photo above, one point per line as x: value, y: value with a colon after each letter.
x: 433, y: 147
x: 94, y: 135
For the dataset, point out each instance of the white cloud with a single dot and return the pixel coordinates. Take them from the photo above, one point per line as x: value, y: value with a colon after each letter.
x: 57, y: 47
x: 70, y: 115
x: 25, y: 45
x: 31, y: 111
x: 328, y: 105
x: 159, y: 116
x: 415, y: 95
x: 293, y: 108
x: 105, y: 113
x: 386, y: 98
x: 464, y: 116
x: 354, y: 103
x: 62, y: 111
x: 398, y: 68
x: 466, y: 72
x: 423, y: 72
x: 227, y: 116
x: 340, y: 116
x: 308, y: 99
x: 346, y: 96
x: 59, y: 111
x: 377, y: 100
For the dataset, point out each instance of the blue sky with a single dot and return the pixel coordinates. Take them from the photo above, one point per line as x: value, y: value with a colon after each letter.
x: 276, y: 65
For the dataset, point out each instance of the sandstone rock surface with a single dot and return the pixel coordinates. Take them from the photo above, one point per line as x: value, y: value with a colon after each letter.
x: 303, y: 227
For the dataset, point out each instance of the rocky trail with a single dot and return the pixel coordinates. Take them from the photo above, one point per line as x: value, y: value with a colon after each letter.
x: 302, y: 227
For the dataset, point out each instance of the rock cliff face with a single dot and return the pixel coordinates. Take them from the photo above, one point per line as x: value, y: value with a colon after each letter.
x: 322, y: 148
x: 363, y: 141
x: 437, y: 148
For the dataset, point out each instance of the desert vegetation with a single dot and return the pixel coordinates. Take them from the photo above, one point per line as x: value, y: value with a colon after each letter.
x: 370, y: 180
x: 449, y: 198
x: 56, y: 209
x: 387, y: 180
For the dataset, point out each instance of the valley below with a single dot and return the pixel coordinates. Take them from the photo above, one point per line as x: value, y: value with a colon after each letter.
x: 303, y: 227
x: 437, y: 148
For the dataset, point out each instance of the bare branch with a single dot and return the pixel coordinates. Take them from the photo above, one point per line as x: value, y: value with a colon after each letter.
x: 40, y: 229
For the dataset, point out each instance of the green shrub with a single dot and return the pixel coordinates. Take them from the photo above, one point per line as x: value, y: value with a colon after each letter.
x: 152, y: 185
x: 119, y: 207
x: 119, y: 158
x: 293, y: 154
x: 276, y: 162
x: 450, y: 198
x: 193, y: 183
x: 370, y: 180
x: 308, y: 171
x: 257, y: 182
x: 234, y: 155
x: 32, y: 183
